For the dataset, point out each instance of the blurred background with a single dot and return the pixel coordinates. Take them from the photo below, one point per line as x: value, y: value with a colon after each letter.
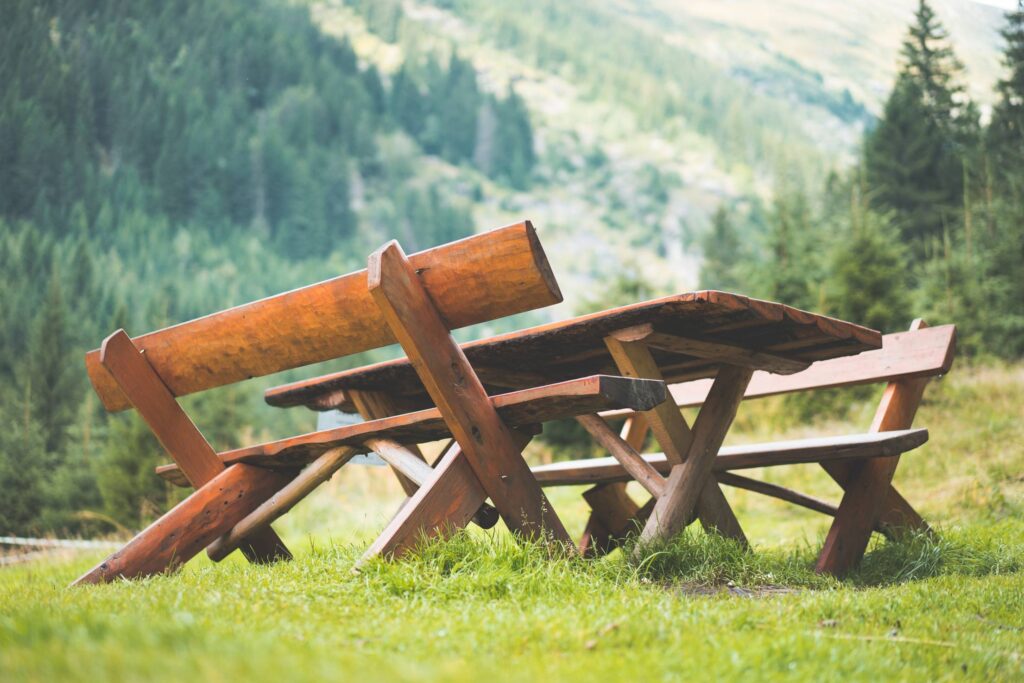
x: 164, y: 160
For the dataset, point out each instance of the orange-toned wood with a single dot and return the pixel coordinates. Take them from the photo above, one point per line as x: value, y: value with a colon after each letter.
x: 639, y: 469
x: 373, y: 405
x: 612, y: 519
x: 484, y: 277
x: 712, y: 350
x: 319, y: 471
x: 175, y: 431
x: 518, y: 409
x: 845, y: 448
x: 634, y: 359
x: 602, y: 534
x: 448, y: 377
x: 576, y: 347
x: 868, y: 483
x: 674, y: 509
x: 442, y: 505
x: 179, y: 535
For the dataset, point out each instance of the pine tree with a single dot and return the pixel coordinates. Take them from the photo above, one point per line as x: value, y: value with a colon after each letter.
x: 1005, y: 134
x: 918, y: 156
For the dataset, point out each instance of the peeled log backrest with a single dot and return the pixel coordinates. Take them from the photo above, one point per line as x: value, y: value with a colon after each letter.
x: 484, y: 277
x: 924, y: 352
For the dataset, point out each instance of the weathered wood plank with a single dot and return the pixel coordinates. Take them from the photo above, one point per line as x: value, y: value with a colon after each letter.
x: 518, y: 409
x: 448, y: 377
x: 186, y: 529
x: 575, y: 347
x: 831, y: 449
x: 713, y: 350
x: 632, y: 462
x: 484, y: 277
x: 175, y: 431
x: 316, y: 473
x: 685, y: 482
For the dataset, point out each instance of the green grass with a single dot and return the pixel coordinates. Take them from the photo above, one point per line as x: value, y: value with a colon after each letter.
x: 481, y: 606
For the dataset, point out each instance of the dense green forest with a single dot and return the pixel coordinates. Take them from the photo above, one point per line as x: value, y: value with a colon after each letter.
x: 162, y: 160
x: 159, y: 161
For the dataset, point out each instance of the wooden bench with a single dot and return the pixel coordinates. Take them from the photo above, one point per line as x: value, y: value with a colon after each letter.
x: 416, y: 301
x: 863, y: 464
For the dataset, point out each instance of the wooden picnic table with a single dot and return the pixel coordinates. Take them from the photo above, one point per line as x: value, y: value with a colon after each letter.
x: 696, y: 335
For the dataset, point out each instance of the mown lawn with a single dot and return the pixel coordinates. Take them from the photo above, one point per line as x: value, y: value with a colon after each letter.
x: 481, y: 607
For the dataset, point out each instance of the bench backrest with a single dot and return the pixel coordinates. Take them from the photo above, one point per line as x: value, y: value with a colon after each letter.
x: 484, y: 277
x: 920, y: 352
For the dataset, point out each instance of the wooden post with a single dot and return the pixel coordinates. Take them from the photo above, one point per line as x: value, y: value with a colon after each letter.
x: 686, y: 481
x: 610, y: 504
x: 194, y: 523
x: 486, y: 441
x: 868, y: 484
x: 175, y: 431
x: 634, y: 359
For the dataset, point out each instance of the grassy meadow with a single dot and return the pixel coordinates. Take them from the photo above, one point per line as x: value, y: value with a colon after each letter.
x: 481, y: 607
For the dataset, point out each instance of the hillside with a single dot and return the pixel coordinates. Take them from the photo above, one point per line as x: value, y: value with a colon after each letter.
x: 649, y: 115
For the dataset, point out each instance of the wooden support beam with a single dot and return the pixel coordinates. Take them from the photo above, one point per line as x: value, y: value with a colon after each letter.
x: 179, y: 436
x: 373, y: 405
x: 638, y: 468
x: 612, y: 518
x: 456, y: 390
x: 314, y: 474
x: 633, y: 359
x: 714, y: 350
x: 685, y: 482
x: 408, y: 462
x: 610, y: 503
x: 194, y: 523
x: 445, y: 503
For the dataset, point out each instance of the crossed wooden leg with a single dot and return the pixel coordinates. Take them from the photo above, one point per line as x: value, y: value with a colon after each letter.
x: 148, y: 553
x: 489, y: 461
x: 634, y: 359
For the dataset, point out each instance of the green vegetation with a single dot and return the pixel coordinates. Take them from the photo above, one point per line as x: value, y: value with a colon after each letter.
x: 481, y: 606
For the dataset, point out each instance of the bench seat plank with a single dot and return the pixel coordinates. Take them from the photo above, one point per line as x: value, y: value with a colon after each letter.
x: 518, y: 408
x: 854, y: 446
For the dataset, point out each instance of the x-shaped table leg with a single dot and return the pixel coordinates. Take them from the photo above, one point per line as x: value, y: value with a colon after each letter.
x: 633, y: 359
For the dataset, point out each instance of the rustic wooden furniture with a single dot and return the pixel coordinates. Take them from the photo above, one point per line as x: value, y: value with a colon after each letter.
x: 700, y: 335
x: 416, y: 301
x: 863, y: 464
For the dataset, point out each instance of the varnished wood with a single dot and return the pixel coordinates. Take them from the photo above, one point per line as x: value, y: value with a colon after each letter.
x: 632, y: 462
x: 602, y: 534
x: 517, y: 409
x: 712, y: 350
x: 480, y: 278
x: 674, y: 509
x: 443, y: 504
x: 612, y: 519
x: 775, y: 491
x: 448, y: 377
x: 865, y: 490
x: 410, y: 464
x: 175, y: 431
x: 186, y: 529
x: 316, y: 473
x: 373, y: 405
x: 576, y: 347
x: 846, y: 448
x: 633, y: 358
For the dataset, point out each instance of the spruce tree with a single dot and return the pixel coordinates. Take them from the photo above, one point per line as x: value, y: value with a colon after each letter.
x: 1005, y: 134
x: 915, y: 158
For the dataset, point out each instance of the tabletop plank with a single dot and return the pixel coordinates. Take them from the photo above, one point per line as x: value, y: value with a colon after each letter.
x: 575, y: 348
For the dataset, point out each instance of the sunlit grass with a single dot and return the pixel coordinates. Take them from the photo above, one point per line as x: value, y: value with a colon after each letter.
x: 482, y: 606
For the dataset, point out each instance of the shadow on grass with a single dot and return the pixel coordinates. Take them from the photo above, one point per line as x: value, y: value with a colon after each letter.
x: 698, y: 558
x: 496, y: 565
